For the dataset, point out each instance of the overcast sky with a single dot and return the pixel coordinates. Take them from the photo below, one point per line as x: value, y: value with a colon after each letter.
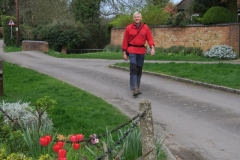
x: 176, y: 1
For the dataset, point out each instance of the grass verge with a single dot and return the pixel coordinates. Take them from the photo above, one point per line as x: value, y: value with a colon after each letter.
x: 12, y: 49
x: 118, y: 55
x: 222, y: 74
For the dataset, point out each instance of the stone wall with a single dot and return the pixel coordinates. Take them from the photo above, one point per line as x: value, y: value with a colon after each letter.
x: 28, y: 45
x: 203, y: 36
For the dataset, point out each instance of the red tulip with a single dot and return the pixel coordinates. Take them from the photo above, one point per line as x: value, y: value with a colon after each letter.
x: 62, y: 153
x: 43, y: 141
x: 57, y: 147
x: 76, y: 146
x: 60, y: 143
x: 62, y: 158
x: 80, y: 137
x: 49, y: 138
x: 73, y: 138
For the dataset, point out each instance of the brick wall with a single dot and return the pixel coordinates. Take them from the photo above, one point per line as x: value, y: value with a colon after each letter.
x: 201, y: 36
x: 29, y: 45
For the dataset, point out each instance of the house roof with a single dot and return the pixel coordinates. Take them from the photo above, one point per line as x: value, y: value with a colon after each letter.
x: 184, y: 4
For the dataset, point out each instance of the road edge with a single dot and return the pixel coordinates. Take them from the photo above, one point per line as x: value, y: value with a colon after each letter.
x: 212, y: 86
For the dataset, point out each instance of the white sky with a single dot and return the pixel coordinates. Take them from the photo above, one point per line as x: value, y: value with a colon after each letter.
x: 175, y: 1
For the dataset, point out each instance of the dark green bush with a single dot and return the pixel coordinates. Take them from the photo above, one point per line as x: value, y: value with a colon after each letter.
x: 7, y: 38
x: 59, y: 35
x: 217, y: 14
x: 26, y: 32
x: 177, y: 20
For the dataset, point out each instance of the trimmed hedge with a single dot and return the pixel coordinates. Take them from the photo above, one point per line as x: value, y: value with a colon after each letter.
x: 218, y: 14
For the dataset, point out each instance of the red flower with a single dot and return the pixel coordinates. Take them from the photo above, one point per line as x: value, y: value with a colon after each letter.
x: 43, y: 141
x: 49, y: 138
x: 76, y: 146
x: 73, y: 138
x: 62, y: 153
x: 62, y: 158
x: 60, y: 143
x: 79, y: 137
x: 57, y: 147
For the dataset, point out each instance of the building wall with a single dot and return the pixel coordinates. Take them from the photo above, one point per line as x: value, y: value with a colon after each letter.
x: 201, y: 36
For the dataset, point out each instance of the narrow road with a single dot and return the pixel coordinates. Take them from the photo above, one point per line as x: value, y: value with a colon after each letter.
x: 198, y: 123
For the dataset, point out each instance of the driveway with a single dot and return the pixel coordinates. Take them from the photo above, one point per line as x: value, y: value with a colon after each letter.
x: 198, y: 123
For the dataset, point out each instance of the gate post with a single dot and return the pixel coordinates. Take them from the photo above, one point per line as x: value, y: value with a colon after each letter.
x: 1, y: 78
x: 147, y: 131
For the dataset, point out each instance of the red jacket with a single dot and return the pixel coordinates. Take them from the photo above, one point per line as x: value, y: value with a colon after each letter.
x: 136, y: 45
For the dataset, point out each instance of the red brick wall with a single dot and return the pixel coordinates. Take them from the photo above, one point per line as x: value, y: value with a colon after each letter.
x: 201, y: 36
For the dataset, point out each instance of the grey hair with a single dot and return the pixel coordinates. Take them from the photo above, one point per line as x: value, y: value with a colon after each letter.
x: 135, y: 13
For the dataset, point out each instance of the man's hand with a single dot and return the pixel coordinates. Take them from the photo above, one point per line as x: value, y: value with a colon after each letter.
x: 125, y: 57
x: 152, y: 51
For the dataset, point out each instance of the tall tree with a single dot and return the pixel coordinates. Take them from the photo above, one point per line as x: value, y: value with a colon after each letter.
x: 33, y: 12
x: 86, y: 10
x: 116, y: 7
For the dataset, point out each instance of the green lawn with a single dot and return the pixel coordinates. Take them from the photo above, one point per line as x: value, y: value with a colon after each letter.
x: 76, y: 111
x: 222, y: 74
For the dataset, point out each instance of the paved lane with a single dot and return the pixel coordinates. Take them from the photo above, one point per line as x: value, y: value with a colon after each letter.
x: 198, y: 123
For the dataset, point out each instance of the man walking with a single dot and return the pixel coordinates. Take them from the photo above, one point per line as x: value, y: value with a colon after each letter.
x: 133, y: 45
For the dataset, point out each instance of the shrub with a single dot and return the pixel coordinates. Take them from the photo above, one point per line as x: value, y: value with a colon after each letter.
x: 218, y: 14
x: 221, y: 51
x: 59, y: 35
x: 23, y: 114
x: 182, y: 50
x: 178, y: 19
x: 26, y: 32
x: 152, y: 15
x: 9, y: 37
x: 113, y: 48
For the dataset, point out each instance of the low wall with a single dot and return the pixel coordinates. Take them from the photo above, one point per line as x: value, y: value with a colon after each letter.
x: 203, y: 36
x: 28, y: 45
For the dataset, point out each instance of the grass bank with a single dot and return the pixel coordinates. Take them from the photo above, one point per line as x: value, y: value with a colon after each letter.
x: 223, y: 74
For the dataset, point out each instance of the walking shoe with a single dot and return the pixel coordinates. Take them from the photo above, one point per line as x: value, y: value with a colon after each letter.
x: 135, y: 92
x: 139, y: 92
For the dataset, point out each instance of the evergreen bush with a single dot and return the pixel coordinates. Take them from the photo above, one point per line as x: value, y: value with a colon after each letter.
x: 221, y: 51
x: 218, y: 14
x: 9, y: 37
x: 59, y: 35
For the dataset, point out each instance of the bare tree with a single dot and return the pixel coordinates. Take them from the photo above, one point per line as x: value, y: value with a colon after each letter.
x: 33, y: 12
x: 116, y: 7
